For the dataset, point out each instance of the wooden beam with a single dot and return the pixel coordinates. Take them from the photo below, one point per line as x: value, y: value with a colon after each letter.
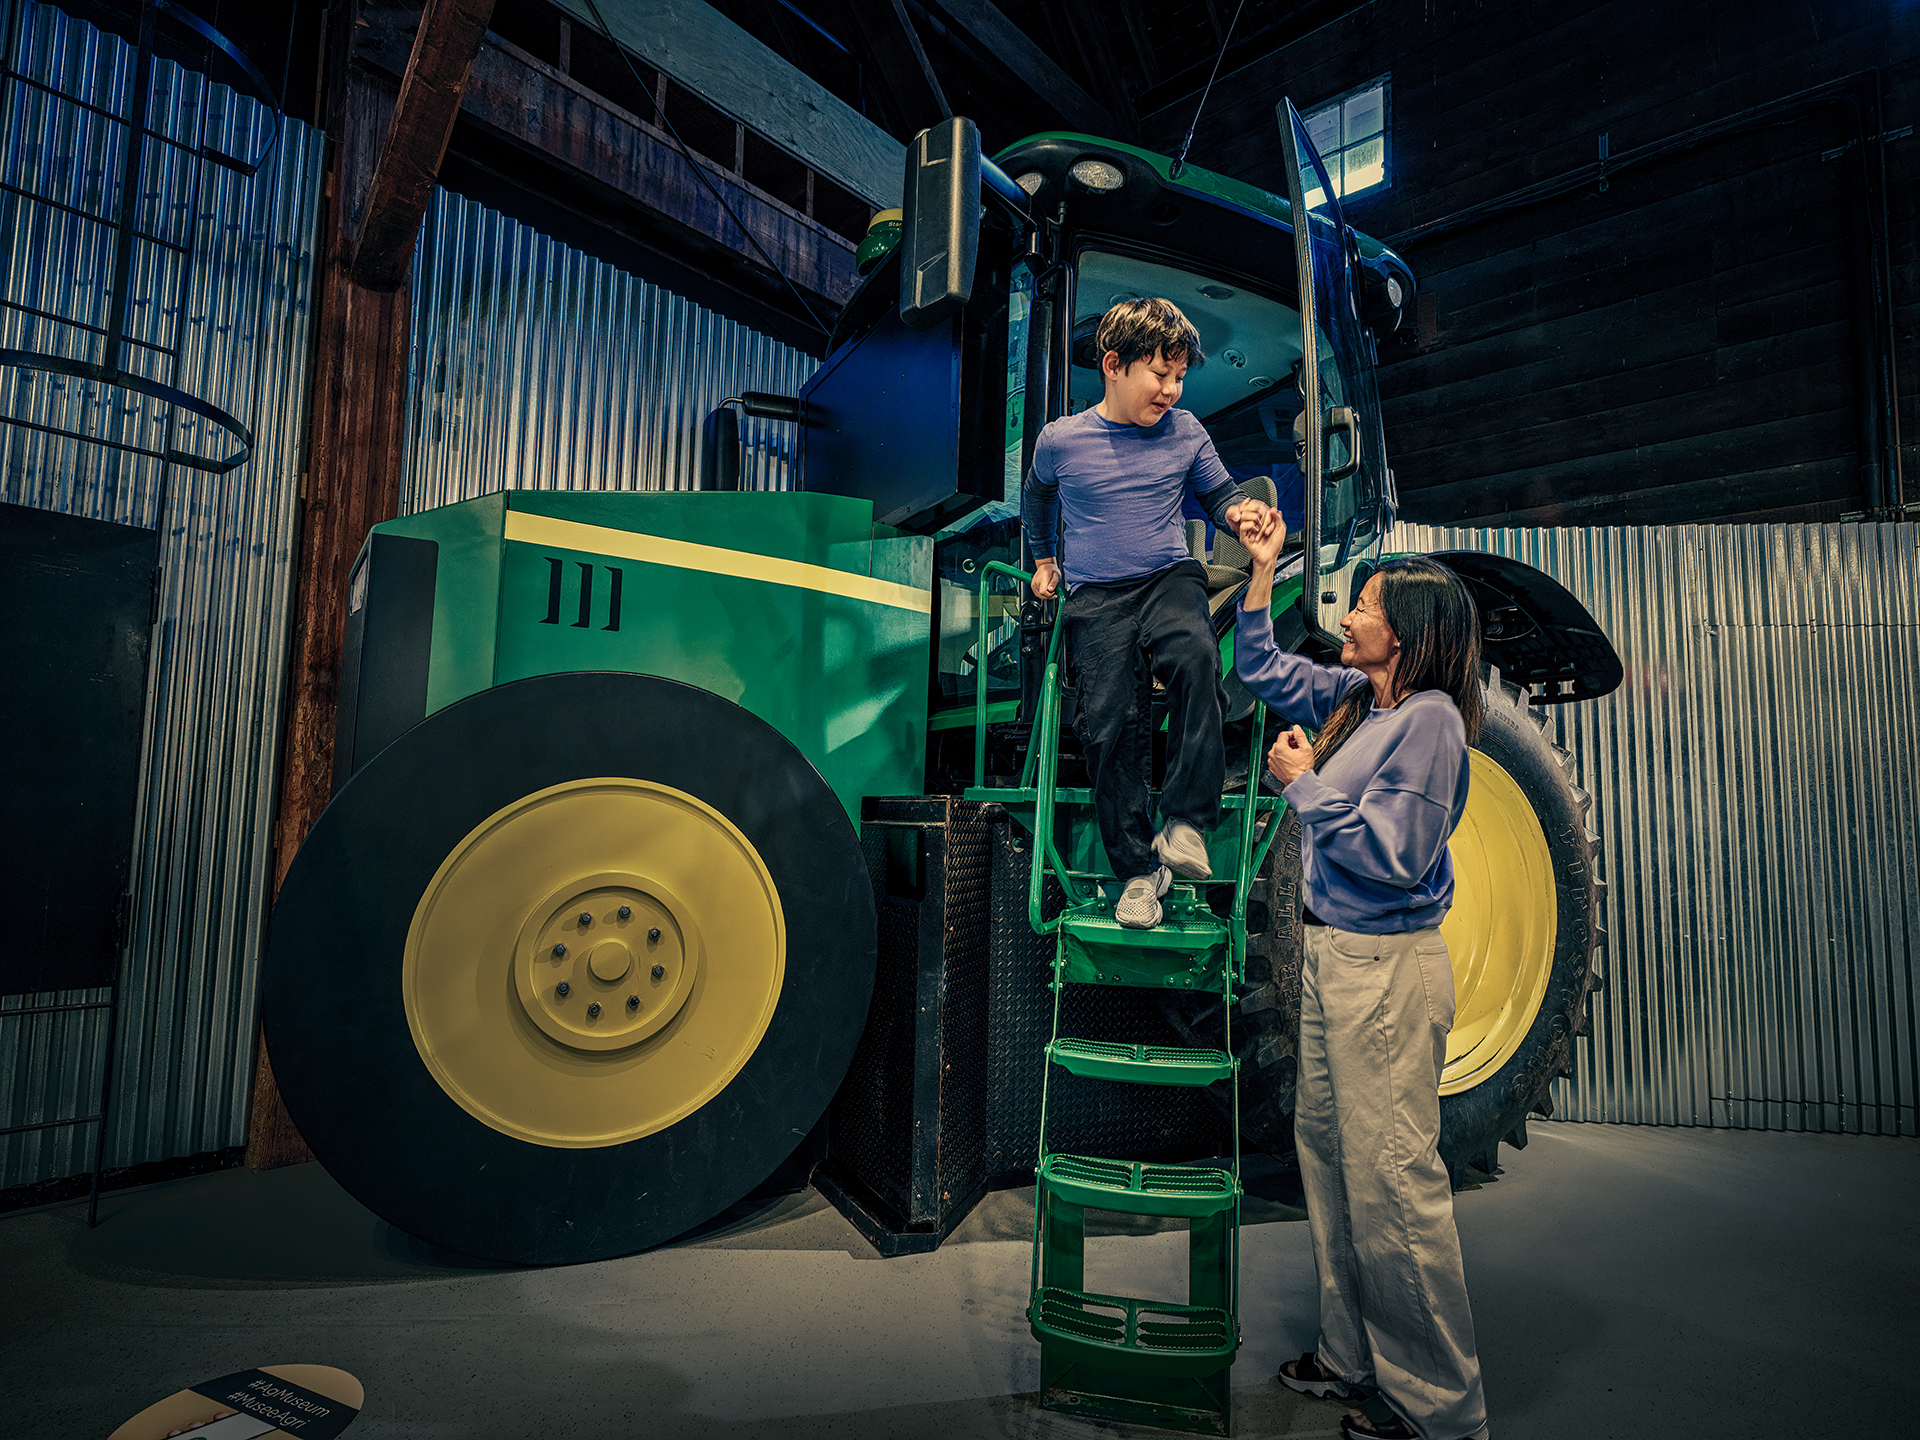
x: 355, y: 461
x: 1087, y: 23
x: 515, y: 96
x: 709, y: 54
x: 444, y: 45
x: 901, y: 65
x: 1008, y: 47
x: 1142, y: 42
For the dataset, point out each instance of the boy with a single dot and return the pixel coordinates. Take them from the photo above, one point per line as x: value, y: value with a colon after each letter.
x: 1136, y: 606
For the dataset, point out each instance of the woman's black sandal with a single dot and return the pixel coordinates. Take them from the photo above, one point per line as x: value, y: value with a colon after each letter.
x: 1358, y: 1425
x: 1310, y: 1377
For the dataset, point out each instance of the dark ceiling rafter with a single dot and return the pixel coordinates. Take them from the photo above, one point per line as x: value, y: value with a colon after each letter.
x: 1086, y: 23
x: 781, y: 22
x: 1143, y: 52
x: 1006, y: 47
x: 901, y: 67
x: 444, y: 48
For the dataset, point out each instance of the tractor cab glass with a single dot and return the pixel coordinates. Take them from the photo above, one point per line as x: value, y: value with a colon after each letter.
x: 1343, y: 452
x: 992, y: 532
x: 1245, y: 393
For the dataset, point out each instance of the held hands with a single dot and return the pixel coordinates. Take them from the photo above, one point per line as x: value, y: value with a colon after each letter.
x: 1263, y: 536
x: 1291, y: 755
x: 1242, y: 512
x: 1046, y: 579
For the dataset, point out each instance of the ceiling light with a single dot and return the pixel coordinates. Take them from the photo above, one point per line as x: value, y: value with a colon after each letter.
x: 1216, y: 292
x: 1098, y: 174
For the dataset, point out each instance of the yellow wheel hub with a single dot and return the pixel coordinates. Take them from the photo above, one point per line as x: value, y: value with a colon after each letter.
x: 1501, y: 929
x: 594, y: 963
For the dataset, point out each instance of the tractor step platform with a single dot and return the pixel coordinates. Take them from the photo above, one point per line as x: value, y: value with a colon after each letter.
x: 1140, y: 1064
x: 1151, y: 1335
x: 1133, y: 1187
x: 1185, y: 951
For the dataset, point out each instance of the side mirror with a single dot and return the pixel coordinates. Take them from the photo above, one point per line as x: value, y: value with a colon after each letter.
x: 940, y: 230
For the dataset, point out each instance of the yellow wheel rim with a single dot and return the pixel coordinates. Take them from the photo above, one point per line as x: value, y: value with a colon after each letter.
x: 1501, y: 930
x: 594, y: 963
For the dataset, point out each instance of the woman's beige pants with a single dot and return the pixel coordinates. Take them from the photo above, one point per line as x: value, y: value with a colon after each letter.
x: 1374, y: 1016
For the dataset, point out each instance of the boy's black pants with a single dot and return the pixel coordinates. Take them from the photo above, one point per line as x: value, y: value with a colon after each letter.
x: 1120, y: 638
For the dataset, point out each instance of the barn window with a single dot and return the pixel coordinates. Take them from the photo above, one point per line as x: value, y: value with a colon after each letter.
x: 1350, y: 133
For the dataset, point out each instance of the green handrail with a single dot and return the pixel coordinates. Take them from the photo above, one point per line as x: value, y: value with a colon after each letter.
x: 993, y: 568
x: 1046, y: 742
x: 1244, y: 872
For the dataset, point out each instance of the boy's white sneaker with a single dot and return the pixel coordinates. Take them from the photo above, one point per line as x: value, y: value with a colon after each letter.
x: 1139, y: 907
x: 1180, y: 847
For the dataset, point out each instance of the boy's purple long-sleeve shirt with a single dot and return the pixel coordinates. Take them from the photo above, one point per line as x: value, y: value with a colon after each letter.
x: 1120, y: 488
x: 1376, y: 819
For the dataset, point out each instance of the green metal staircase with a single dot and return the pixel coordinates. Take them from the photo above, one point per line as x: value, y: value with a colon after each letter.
x: 1159, y: 1362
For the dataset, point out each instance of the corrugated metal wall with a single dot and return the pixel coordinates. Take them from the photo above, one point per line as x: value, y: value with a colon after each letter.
x: 201, y: 878
x: 1754, y: 784
x: 536, y: 367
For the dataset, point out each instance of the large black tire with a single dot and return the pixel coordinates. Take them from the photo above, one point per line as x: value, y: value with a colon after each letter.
x: 1473, y: 1122
x: 1266, y: 1014
x: 360, y: 1082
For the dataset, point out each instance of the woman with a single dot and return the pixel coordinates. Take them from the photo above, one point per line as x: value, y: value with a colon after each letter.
x: 1379, y: 791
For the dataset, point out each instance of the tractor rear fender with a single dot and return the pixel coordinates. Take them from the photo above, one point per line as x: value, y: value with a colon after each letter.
x: 1539, y: 636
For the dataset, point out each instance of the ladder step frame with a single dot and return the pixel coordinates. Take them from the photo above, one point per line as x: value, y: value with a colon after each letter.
x: 1083, y: 1374
x: 1135, y: 1187
x: 1137, y: 1065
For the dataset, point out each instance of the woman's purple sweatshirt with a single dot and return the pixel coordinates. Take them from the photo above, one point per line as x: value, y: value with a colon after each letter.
x: 1375, y: 821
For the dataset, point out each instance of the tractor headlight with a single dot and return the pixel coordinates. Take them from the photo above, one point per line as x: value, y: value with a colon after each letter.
x: 1031, y: 182
x: 1098, y: 174
x: 1394, y: 293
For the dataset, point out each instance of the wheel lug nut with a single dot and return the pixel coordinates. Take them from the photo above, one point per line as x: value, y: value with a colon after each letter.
x: 593, y: 1011
x: 559, y: 950
x: 563, y: 989
x: 586, y: 918
x: 654, y: 935
x: 633, y: 1002
x: 658, y: 971
x: 626, y: 912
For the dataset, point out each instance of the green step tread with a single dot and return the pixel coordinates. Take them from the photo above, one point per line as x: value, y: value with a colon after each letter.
x: 1184, y: 932
x: 1148, y: 1334
x: 1140, y: 1064
x: 1133, y: 1187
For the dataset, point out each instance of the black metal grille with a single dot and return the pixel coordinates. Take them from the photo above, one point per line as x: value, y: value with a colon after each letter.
x: 1085, y: 1116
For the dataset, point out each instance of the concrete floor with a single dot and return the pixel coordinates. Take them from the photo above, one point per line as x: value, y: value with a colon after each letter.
x: 1627, y: 1283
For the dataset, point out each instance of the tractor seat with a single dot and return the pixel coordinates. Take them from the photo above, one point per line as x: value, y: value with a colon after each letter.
x: 1229, y: 562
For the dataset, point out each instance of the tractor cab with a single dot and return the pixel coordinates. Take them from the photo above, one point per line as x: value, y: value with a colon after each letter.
x: 930, y: 405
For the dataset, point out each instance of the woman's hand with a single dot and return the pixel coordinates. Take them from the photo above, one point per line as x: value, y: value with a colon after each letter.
x: 1264, y: 537
x: 1046, y: 579
x: 1291, y: 755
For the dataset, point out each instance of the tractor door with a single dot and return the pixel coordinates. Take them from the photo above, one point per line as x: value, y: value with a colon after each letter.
x: 1344, y: 459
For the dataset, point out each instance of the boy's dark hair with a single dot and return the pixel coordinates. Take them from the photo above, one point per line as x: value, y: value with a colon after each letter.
x: 1138, y: 329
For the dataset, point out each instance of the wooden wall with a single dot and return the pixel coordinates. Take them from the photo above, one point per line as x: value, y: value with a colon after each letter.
x: 1696, y: 340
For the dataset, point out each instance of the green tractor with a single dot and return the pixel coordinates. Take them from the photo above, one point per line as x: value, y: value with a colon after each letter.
x: 662, y: 819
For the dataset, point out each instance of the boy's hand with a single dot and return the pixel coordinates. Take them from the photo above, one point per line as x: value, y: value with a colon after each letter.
x: 1046, y: 579
x: 1264, y: 538
x: 1241, y: 511
x: 1291, y: 756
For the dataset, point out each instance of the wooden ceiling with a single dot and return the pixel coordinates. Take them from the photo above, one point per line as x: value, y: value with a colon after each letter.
x: 1122, y: 68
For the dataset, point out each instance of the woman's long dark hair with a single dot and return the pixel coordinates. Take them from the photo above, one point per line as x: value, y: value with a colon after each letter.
x: 1434, y: 618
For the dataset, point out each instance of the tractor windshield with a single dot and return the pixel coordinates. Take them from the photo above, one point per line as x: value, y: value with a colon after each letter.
x: 1246, y: 392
